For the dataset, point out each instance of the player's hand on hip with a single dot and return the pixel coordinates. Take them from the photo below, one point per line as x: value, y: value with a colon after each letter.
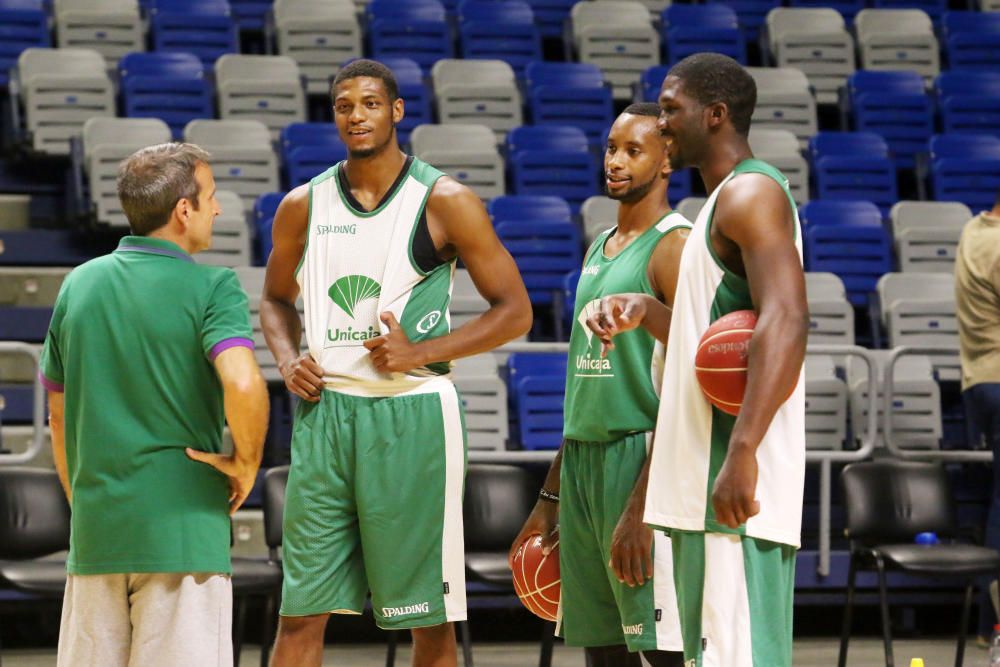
x: 241, y: 475
x: 632, y: 549
x: 614, y: 315
x: 303, y: 377
x: 544, y: 521
x: 393, y: 352
x: 734, y: 492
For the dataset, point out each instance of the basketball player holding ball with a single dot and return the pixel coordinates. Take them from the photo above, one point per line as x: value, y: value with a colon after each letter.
x: 728, y: 488
x: 617, y: 581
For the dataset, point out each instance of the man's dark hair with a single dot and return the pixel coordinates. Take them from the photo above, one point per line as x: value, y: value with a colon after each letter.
x: 712, y: 77
x: 643, y: 109
x: 373, y: 69
x: 151, y: 181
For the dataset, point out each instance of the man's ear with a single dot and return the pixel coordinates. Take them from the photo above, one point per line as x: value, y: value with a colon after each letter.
x: 182, y: 211
x: 717, y: 114
x: 665, y: 168
x: 398, y: 111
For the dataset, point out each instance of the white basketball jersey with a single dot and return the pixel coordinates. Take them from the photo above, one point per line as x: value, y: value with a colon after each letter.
x: 357, y: 265
x: 692, y: 437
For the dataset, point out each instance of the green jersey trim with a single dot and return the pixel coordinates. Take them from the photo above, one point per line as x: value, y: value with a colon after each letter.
x: 397, y: 186
x: 309, y: 214
x: 429, y: 176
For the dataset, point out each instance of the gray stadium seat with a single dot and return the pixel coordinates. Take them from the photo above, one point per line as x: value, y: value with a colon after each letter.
x: 599, y: 213
x: 826, y: 404
x: 784, y: 102
x: 319, y: 35
x: 898, y: 39
x: 106, y: 142
x: 36, y: 286
x: 243, y: 159
x: 252, y: 280
x: 467, y: 153
x: 263, y: 88
x: 484, y: 396
x: 466, y: 302
x: 916, y: 416
x: 690, y: 207
x: 618, y: 37
x: 918, y: 310
x: 477, y: 92
x: 16, y: 439
x: 816, y: 41
x: 926, y: 234
x: 61, y: 89
x: 781, y: 149
x: 113, y: 28
x: 989, y: 5
x: 230, y: 234
x: 655, y: 7
x: 831, y: 317
x: 15, y: 211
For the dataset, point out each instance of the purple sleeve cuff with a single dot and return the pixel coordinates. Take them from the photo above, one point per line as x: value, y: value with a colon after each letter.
x: 227, y: 343
x: 49, y: 384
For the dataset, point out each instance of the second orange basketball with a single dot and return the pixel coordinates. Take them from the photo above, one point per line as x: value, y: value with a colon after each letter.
x: 536, y: 578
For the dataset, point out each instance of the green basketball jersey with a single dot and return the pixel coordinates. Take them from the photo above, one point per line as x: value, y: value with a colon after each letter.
x: 609, y: 397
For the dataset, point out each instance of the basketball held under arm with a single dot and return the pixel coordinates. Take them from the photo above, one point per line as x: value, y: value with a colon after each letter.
x: 459, y: 225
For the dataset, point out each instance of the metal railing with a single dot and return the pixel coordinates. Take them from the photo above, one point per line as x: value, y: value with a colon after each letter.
x: 887, y: 405
x: 38, y: 407
x: 824, y: 458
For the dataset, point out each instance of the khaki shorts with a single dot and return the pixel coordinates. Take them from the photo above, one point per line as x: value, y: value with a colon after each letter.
x: 147, y: 620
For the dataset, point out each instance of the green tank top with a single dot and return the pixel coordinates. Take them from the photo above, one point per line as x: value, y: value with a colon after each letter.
x: 610, y: 397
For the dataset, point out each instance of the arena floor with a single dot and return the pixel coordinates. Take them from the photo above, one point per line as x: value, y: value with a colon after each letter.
x: 865, y: 652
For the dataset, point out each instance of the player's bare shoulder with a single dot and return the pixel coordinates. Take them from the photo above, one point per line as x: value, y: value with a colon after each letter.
x: 751, y: 196
x: 450, y: 200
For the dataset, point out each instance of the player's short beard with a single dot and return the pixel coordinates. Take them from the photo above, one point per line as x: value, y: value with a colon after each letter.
x: 366, y: 153
x: 634, y: 194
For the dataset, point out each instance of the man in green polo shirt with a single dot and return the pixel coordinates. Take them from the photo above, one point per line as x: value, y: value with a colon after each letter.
x: 146, y: 355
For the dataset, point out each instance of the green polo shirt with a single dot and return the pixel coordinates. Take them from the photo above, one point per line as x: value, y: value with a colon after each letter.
x: 131, y: 344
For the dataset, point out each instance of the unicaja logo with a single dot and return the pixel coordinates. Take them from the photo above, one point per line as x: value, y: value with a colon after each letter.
x: 349, y: 291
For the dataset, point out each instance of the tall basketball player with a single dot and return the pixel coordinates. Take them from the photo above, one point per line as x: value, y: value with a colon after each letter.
x: 729, y: 489
x: 617, y: 582
x: 374, y: 499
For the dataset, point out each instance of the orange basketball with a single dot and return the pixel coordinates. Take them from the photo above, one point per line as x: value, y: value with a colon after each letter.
x: 721, y: 361
x: 536, y: 578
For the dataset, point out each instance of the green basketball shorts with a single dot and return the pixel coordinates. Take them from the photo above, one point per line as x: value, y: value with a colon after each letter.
x: 735, y: 595
x: 374, y: 502
x: 596, y: 609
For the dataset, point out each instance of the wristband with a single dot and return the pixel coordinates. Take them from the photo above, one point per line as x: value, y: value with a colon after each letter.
x: 548, y: 496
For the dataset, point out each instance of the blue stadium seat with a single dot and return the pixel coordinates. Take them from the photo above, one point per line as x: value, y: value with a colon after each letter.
x: 263, y: 219
x: 203, y: 27
x: 847, y: 238
x: 24, y: 323
x: 847, y: 8
x: 251, y: 14
x: 965, y: 168
x: 969, y: 101
x: 570, y: 283
x: 18, y: 402
x: 414, y: 92
x: 752, y: 14
x: 854, y: 165
x: 970, y: 40
x: 895, y: 106
x: 23, y: 24
x: 537, y: 388
x: 168, y: 86
x: 570, y: 94
x: 529, y: 207
x: 551, y: 15
x: 544, y: 253
x: 416, y: 29
x: 691, y: 29
x: 552, y: 160
x: 499, y: 29
x: 309, y: 149
x: 933, y: 8
x: 41, y: 247
x: 651, y: 82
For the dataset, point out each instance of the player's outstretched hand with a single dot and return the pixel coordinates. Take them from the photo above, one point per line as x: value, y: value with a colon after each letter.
x: 544, y: 521
x: 303, y: 377
x: 616, y: 314
x: 393, y: 352
x: 241, y: 474
x: 735, y: 489
x: 632, y: 549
